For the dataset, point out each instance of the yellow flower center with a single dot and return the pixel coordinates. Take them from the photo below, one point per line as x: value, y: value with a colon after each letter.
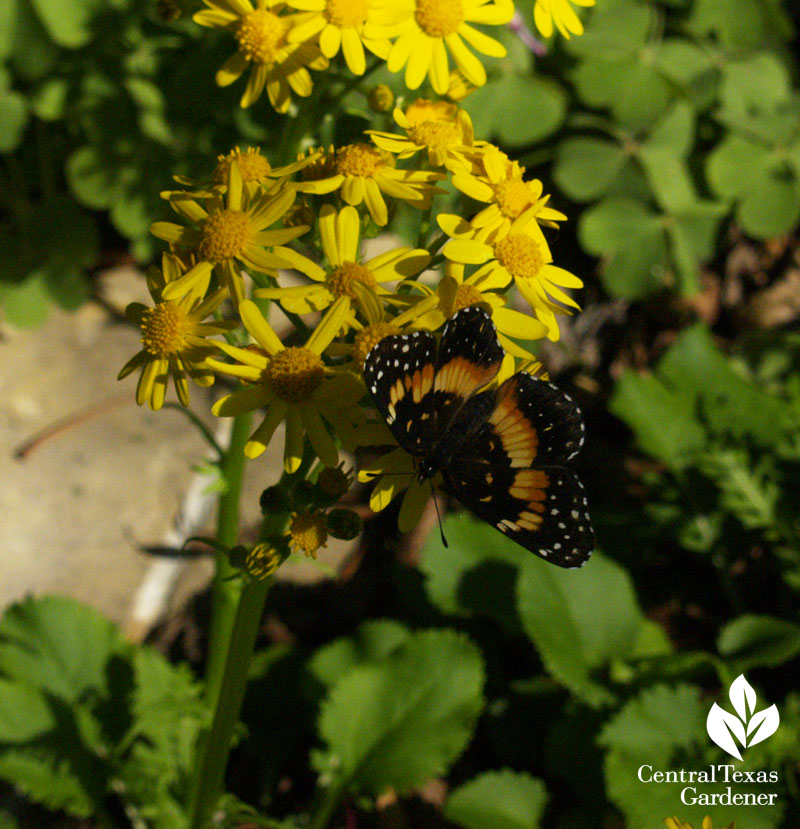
x: 262, y: 561
x: 308, y: 532
x: 369, y: 337
x: 341, y: 279
x: 344, y: 13
x: 323, y: 167
x: 466, y: 295
x: 439, y: 18
x: 437, y: 134
x: 519, y: 255
x: 164, y: 329
x: 358, y: 160
x: 512, y: 196
x: 224, y: 235
x: 294, y: 374
x: 261, y: 35
x: 252, y: 165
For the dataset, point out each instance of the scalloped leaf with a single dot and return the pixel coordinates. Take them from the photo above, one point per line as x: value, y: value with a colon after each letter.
x: 397, y: 722
x: 501, y: 799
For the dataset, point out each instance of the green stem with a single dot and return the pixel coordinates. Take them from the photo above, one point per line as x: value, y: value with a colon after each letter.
x: 207, y: 785
x: 328, y: 804
x: 225, y: 589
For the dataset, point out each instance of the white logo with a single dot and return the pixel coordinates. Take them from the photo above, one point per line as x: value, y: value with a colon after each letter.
x: 747, y: 726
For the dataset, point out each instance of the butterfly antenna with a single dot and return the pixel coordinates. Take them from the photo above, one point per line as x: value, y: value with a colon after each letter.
x: 438, y: 515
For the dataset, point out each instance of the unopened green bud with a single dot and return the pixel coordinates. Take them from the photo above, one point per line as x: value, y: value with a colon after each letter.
x: 169, y: 10
x: 380, y: 98
x: 344, y: 524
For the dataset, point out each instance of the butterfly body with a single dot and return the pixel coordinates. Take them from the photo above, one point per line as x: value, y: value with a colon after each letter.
x: 500, y: 450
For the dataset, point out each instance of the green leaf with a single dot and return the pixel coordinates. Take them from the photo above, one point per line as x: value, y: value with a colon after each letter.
x: 24, y: 713
x: 58, y: 645
x: 25, y: 304
x: 772, y: 208
x: 34, y: 55
x: 49, y: 100
x: 92, y: 178
x: 586, y: 168
x: 756, y: 641
x: 616, y: 28
x: 374, y: 641
x: 729, y: 403
x: 737, y: 23
x: 500, y: 799
x: 13, y: 120
x: 71, y: 24
x: 48, y: 779
x: 663, y: 419
x: 475, y: 574
x: 538, y: 106
x: 8, y: 20
x: 579, y: 620
x: 632, y: 238
x: 397, y: 722
x: 735, y: 166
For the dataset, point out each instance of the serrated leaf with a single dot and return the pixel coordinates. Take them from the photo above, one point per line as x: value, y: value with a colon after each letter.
x: 501, y: 799
x: 24, y: 712
x: 373, y: 641
x: 579, y: 620
x: 398, y: 722
x: 58, y: 645
x: 47, y: 779
x: 755, y: 641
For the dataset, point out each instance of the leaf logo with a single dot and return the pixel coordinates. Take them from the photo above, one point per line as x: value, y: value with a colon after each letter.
x: 747, y: 726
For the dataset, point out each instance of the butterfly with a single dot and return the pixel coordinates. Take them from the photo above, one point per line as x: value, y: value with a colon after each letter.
x: 500, y: 451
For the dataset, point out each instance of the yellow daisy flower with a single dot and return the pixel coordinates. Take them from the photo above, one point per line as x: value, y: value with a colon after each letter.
x: 293, y: 384
x: 560, y: 12
x: 230, y: 231
x: 339, y: 25
x: 364, y: 173
x: 447, y: 137
x: 455, y: 292
x: 427, y: 29
x: 262, y: 33
x: 509, y: 196
x: 174, y: 338
x: 258, y: 175
x: 339, y: 232
x: 521, y: 255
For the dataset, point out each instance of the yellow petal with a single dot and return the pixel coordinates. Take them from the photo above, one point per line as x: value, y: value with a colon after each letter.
x: 260, y: 439
x: 329, y: 326
x: 413, y: 504
x: 467, y: 251
x: 293, y: 449
x: 243, y: 400
x: 232, y: 69
x: 327, y: 232
x: 318, y: 435
x: 261, y: 330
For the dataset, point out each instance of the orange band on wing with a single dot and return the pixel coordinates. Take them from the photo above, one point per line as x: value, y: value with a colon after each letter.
x: 516, y: 432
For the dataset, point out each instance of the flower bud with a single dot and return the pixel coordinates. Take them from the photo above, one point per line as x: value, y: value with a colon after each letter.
x: 332, y: 483
x: 262, y: 561
x: 380, y: 98
x: 273, y: 499
x: 344, y: 524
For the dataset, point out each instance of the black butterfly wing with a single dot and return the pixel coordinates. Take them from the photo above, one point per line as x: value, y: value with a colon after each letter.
x: 399, y: 373
x: 469, y: 357
x: 508, y: 471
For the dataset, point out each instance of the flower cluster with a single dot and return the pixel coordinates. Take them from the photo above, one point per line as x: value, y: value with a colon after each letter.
x: 279, y: 41
x: 254, y: 243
